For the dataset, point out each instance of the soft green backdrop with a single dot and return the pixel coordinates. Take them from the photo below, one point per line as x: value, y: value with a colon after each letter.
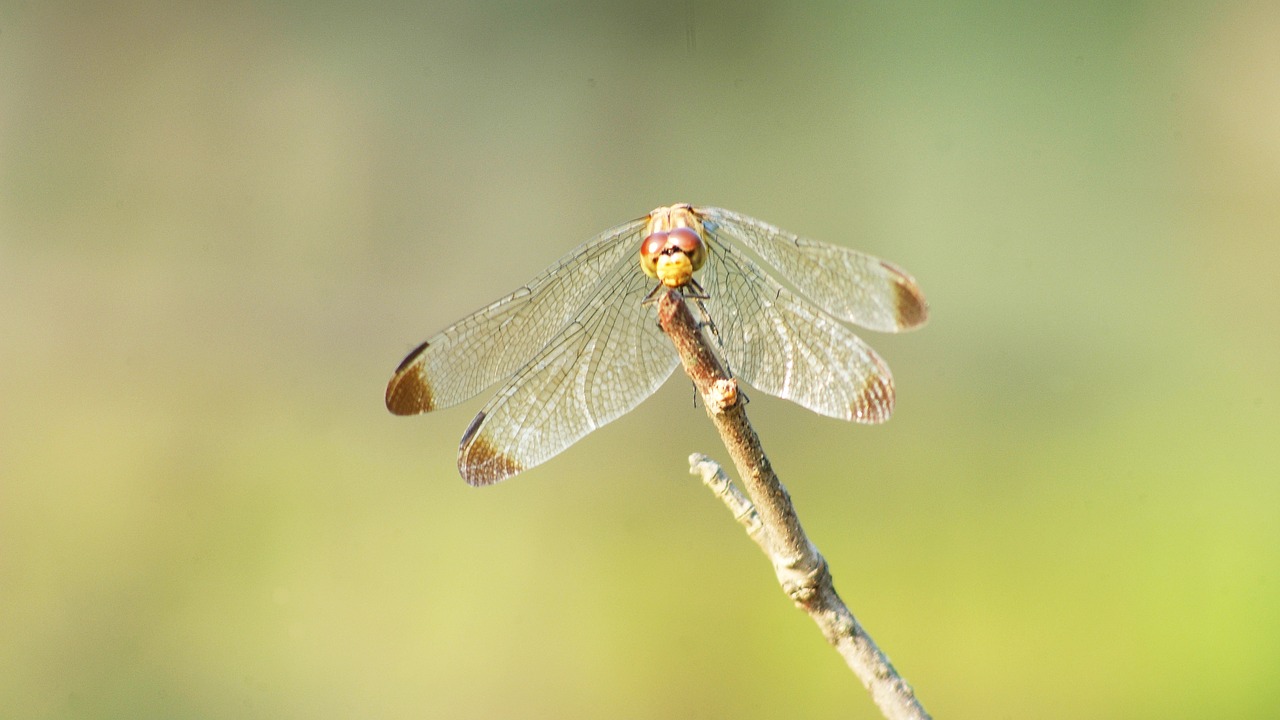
x: 222, y: 226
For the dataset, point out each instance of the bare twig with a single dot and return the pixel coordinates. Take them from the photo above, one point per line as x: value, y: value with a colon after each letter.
x: 772, y: 522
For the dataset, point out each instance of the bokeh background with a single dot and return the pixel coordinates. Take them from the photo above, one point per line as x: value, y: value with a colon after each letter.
x: 222, y: 226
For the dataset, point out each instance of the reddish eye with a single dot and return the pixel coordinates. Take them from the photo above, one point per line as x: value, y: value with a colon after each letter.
x: 650, y: 250
x: 690, y: 243
x: 653, y: 244
x: 685, y: 239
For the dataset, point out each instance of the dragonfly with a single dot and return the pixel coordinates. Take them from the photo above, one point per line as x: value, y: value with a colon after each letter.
x: 579, y: 346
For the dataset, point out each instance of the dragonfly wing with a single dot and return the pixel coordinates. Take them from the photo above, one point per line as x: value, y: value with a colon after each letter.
x: 459, y: 362
x: 853, y: 286
x: 610, y: 358
x: 782, y: 345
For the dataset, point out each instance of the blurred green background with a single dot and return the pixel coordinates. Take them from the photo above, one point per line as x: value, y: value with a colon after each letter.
x: 222, y: 227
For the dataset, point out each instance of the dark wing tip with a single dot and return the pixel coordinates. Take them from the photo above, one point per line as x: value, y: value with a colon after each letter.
x: 409, y: 393
x: 910, y: 309
x: 874, y: 402
x: 479, y: 462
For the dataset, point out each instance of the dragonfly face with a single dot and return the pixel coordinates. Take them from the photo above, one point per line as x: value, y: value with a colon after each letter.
x: 578, y: 346
x: 673, y: 248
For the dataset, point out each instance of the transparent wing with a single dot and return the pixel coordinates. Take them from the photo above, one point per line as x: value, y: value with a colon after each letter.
x: 459, y: 362
x: 611, y: 356
x: 853, y: 286
x: 782, y: 345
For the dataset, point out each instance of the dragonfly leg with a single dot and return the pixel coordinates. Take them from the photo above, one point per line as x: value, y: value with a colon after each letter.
x: 693, y: 291
x: 652, y: 296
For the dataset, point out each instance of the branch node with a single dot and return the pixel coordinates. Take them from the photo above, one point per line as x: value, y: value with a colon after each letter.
x: 805, y: 586
x: 722, y: 395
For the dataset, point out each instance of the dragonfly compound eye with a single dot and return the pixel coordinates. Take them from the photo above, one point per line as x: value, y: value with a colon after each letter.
x: 690, y: 243
x: 650, y: 251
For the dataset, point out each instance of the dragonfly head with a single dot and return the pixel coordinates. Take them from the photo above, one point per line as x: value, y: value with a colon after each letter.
x: 673, y: 248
